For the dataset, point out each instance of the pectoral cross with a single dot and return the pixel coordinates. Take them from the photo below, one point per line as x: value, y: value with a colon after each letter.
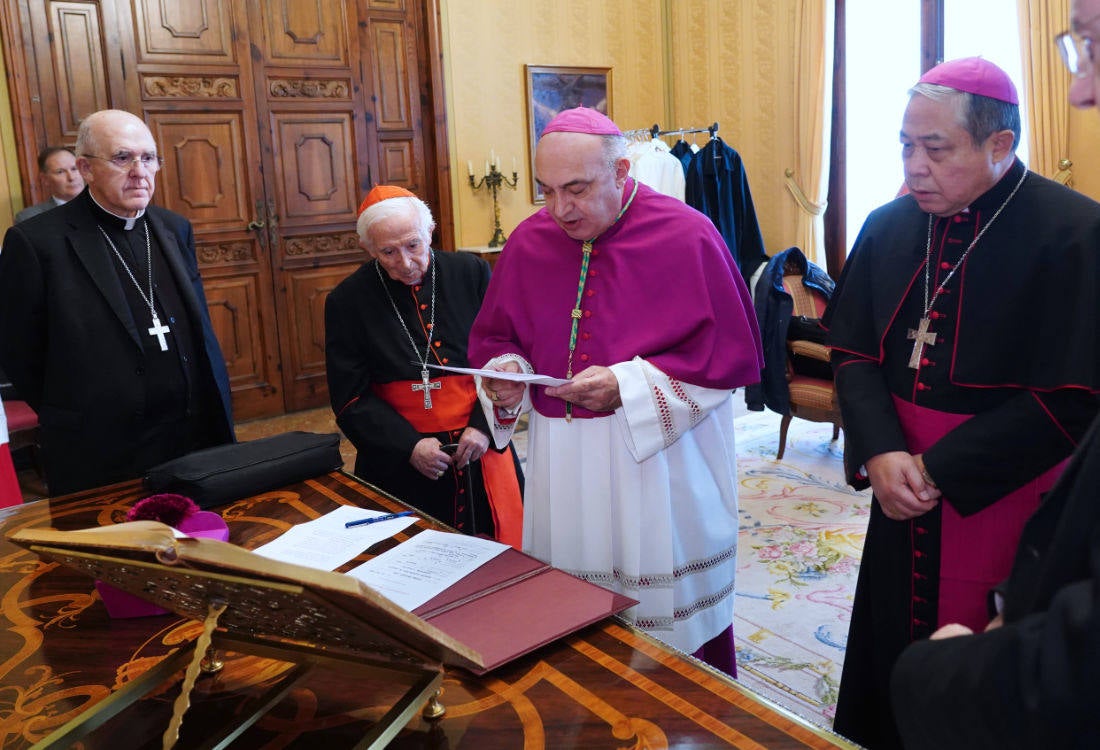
x: 427, y: 387
x: 920, y: 337
x: 159, y: 330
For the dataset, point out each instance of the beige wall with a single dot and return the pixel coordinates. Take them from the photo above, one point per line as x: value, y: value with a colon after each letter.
x: 678, y: 63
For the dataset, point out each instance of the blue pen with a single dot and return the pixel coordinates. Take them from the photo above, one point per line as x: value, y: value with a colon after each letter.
x: 376, y: 519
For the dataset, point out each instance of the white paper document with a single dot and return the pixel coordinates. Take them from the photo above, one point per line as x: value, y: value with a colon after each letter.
x: 325, y: 543
x: 422, y: 567
x: 517, y: 377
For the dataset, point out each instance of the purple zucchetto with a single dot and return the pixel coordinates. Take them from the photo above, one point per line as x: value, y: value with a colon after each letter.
x: 974, y: 75
x: 581, y: 120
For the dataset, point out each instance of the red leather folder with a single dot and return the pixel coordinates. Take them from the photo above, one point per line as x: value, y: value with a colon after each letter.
x: 514, y: 604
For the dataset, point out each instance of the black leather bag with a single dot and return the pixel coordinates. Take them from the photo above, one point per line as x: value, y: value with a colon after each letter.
x: 219, y: 475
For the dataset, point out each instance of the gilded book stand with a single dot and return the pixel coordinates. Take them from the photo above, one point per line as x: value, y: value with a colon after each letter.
x: 250, y: 604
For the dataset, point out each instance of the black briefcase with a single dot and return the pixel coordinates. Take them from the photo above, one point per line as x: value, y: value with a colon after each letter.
x: 224, y: 473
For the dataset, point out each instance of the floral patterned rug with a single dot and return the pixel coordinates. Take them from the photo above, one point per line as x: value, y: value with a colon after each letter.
x: 802, y: 531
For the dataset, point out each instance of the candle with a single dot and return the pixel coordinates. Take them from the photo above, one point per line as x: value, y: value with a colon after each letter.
x: 513, y: 164
x: 492, y: 156
x: 486, y: 167
x: 470, y: 167
x: 498, y: 163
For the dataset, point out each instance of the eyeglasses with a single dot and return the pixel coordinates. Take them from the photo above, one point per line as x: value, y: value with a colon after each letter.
x: 1076, y: 50
x: 125, y: 160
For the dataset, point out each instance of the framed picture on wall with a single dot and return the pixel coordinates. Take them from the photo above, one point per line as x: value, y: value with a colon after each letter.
x: 553, y: 88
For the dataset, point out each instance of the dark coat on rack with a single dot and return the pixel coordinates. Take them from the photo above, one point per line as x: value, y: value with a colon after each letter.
x: 718, y: 186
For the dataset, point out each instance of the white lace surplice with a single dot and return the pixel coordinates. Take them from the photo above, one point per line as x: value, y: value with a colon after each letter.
x: 643, y: 502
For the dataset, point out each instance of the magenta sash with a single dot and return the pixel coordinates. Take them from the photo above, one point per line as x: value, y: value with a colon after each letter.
x: 976, y: 551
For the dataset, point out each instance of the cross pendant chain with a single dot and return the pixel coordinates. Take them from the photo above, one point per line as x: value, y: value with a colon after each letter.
x: 159, y: 330
x: 427, y: 387
x: 920, y: 336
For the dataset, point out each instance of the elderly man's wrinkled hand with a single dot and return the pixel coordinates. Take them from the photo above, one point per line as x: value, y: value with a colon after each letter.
x: 428, y: 459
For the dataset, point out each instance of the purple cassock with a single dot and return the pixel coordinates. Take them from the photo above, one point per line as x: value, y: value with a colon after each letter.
x: 661, y: 285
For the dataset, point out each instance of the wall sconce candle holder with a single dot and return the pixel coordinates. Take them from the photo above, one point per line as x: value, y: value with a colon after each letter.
x: 495, y: 181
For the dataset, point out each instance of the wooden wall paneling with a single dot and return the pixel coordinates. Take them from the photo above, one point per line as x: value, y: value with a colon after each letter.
x: 22, y: 77
x: 194, y: 71
x: 311, y: 105
x: 396, y: 100
x: 434, y: 118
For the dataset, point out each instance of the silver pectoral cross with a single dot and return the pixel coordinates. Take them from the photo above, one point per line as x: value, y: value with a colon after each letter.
x: 427, y: 387
x: 159, y: 330
x: 920, y: 336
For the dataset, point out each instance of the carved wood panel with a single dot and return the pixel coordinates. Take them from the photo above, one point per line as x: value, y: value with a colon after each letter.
x: 317, y: 171
x: 307, y: 290
x: 306, y: 32
x: 184, y: 31
x: 204, y: 175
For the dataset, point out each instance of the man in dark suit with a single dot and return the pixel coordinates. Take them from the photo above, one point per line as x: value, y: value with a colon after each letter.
x: 59, y: 176
x: 1030, y: 679
x: 104, y: 329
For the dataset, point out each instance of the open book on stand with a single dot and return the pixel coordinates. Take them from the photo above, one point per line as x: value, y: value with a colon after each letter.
x: 505, y: 609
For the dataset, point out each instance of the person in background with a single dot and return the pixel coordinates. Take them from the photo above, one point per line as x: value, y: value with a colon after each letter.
x: 58, y: 175
x: 1028, y: 680
x: 415, y: 430
x: 963, y: 379
x: 104, y: 328
x: 633, y: 297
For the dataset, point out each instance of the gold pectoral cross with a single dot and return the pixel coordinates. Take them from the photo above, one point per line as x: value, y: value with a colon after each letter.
x: 920, y: 336
x: 427, y: 387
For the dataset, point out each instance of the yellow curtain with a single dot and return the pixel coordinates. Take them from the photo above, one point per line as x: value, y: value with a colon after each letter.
x: 1046, y: 87
x: 808, y: 178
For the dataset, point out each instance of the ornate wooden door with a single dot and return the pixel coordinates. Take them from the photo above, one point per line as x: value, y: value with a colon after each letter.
x: 275, y: 118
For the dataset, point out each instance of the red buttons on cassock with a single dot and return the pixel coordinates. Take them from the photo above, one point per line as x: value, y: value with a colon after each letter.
x: 584, y: 358
x: 589, y: 293
x: 436, y: 343
x: 586, y: 335
x: 446, y: 360
x: 925, y: 362
x: 945, y: 265
x: 923, y: 387
x: 423, y: 306
x: 588, y: 313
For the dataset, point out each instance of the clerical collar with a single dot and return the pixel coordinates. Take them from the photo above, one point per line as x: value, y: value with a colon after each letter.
x: 996, y: 195
x: 119, y: 222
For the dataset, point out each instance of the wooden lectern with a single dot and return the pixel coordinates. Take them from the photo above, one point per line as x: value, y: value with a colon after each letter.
x: 253, y: 605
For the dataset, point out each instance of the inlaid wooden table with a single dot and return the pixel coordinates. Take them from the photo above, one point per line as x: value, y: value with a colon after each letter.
x: 64, y: 662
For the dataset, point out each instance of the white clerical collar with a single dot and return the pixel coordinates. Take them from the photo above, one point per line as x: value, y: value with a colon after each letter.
x: 130, y: 221
x: 58, y: 201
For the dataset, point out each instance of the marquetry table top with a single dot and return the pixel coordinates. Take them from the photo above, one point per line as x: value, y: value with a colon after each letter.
x: 608, y: 686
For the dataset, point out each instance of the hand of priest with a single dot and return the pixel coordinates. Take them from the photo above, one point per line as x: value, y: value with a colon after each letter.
x: 595, y: 389
x: 428, y: 459
x: 471, y: 446
x: 899, y: 487
x: 504, y: 393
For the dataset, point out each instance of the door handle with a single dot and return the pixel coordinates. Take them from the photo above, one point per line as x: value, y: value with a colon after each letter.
x: 255, y: 224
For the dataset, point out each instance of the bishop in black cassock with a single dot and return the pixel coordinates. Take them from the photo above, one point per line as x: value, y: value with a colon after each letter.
x: 992, y: 385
